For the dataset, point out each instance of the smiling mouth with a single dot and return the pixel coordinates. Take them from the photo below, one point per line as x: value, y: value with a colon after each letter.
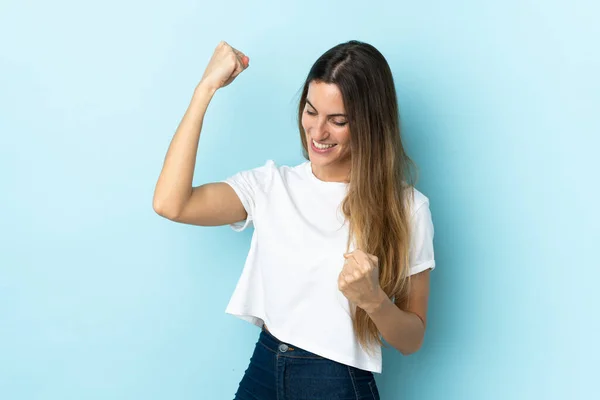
x: 323, y: 146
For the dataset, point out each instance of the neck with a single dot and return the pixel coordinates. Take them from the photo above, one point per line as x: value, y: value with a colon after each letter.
x: 331, y: 173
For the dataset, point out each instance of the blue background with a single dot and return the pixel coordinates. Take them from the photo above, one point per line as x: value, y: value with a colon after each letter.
x: 100, y: 298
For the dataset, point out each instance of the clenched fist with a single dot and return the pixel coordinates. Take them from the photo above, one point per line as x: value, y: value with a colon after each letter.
x: 359, y: 280
x: 224, y: 66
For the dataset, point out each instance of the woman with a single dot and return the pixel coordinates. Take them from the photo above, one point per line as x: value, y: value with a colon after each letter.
x: 343, y: 243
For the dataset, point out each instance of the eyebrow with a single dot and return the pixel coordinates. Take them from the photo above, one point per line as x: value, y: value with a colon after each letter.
x: 330, y: 115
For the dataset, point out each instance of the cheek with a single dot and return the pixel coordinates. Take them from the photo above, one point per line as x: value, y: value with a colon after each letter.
x: 304, y: 122
x: 344, y: 137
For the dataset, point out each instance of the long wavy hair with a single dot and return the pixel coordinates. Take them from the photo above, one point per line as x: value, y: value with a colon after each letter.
x: 382, y: 176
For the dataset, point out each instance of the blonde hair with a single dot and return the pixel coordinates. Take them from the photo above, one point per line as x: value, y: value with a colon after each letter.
x: 382, y: 176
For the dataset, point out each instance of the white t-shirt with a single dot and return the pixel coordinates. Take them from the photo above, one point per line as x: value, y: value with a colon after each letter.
x: 290, y: 278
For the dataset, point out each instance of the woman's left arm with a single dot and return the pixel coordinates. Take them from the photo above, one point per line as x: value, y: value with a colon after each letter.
x: 403, y: 329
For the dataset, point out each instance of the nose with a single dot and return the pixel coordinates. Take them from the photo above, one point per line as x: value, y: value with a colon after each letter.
x: 318, y: 130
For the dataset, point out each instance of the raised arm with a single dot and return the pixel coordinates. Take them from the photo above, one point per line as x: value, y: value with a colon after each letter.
x: 174, y: 197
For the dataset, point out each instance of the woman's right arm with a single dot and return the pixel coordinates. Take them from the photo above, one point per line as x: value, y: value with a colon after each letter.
x: 174, y: 197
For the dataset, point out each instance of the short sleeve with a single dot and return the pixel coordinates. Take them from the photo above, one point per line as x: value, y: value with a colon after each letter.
x: 421, y: 255
x: 251, y: 187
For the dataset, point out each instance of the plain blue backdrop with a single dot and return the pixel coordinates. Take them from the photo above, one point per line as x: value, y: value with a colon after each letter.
x: 100, y: 298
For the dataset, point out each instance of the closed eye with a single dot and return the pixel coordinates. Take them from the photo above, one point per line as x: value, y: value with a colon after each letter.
x: 312, y: 113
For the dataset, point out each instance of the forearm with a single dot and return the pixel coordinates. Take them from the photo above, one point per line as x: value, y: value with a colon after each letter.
x: 174, y: 184
x: 403, y: 330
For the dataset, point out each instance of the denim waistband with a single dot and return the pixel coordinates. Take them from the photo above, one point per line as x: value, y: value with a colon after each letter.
x: 268, y: 340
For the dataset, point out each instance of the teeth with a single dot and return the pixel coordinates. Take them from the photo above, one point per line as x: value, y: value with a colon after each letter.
x: 322, y: 146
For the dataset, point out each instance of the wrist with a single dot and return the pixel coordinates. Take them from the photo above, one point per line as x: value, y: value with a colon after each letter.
x: 205, y: 88
x: 377, y: 304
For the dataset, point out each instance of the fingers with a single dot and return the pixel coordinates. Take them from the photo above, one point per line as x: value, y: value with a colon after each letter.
x: 352, y: 269
x: 359, y: 254
x: 244, y: 59
x: 351, y: 257
x: 356, y: 255
x: 348, y: 276
x: 360, y: 261
x: 241, y: 62
x: 239, y: 59
x: 345, y: 279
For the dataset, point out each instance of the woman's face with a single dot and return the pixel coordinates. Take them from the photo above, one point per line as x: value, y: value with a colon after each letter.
x: 324, y: 121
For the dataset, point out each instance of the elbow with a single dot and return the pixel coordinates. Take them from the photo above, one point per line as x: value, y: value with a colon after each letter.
x: 163, y: 209
x: 415, y: 342
x: 410, y: 350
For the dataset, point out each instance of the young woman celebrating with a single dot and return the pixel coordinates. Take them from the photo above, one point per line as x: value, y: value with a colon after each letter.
x: 342, y: 245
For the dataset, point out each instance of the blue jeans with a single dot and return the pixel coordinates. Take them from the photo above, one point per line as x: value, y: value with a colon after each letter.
x: 282, y: 371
